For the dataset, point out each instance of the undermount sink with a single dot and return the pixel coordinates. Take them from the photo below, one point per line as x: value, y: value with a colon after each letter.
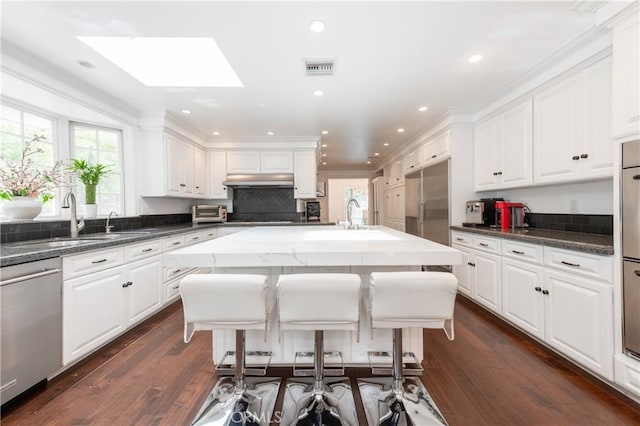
x: 114, y: 235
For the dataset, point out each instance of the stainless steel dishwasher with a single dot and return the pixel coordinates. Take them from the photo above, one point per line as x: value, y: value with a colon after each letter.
x: 31, y: 315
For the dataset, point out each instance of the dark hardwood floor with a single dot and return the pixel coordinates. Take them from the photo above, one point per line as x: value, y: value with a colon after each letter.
x: 491, y: 374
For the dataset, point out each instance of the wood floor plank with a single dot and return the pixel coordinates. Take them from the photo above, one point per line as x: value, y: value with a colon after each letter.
x: 491, y: 374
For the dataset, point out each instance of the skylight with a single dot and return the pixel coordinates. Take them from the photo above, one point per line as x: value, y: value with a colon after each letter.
x: 168, y: 61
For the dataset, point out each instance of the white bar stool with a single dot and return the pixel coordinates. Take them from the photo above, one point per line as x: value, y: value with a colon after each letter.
x: 231, y: 302
x: 319, y: 302
x: 404, y: 300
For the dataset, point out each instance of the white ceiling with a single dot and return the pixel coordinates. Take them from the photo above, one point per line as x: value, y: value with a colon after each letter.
x: 390, y: 59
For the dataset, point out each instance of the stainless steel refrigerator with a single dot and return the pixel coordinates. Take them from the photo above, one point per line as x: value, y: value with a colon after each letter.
x: 427, y: 203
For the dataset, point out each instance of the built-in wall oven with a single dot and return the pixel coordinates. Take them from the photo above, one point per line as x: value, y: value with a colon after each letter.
x: 631, y: 245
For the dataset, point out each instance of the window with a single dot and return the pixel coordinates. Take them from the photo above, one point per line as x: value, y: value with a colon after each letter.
x: 18, y: 126
x: 101, y: 145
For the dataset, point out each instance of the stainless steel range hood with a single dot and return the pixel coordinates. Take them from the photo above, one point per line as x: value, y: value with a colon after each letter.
x: 261, y: 180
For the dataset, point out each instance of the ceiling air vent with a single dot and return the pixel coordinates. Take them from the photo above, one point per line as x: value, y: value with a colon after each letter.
x: 319, y: 67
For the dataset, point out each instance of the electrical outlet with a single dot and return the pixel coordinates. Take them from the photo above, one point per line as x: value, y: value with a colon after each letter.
x: 573, y: 206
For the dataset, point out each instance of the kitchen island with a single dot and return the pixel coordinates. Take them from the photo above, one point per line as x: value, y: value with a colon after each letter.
x: 299, y: 249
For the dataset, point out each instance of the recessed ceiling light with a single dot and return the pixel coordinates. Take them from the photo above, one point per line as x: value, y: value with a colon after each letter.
x: 168, y: 61
x: 423, y: 108
x: 475, y: 58
x: 324, y: 163
x: 186, y: 111
x: 85, y: 64
x: 270, y: 133
x: 324, y: 145
x: 216, y: 133
x: 316, y: 26
x: 368, y: 162
x: 386, y: 144
x: 318, y: 92
x: 376, y: 154
x: 400, y: 130
x: 324, y: 155
x: 325, y: 132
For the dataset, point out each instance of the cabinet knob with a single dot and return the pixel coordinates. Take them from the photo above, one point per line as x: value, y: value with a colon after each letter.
x: 575, y: 157
x: 584, y: 155
x: 433, y: 156
x: 545, y: 292
x: 499, y: 173
x: 637, y: 272
x: 495, y: 173
x: 182, y: 185
x: 538, y: 289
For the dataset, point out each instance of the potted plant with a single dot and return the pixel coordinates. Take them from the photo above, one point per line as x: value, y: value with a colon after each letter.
x: 24, y: 187
x: 90, y: 175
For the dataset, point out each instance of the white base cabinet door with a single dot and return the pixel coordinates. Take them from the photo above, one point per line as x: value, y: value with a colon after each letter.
x: 144, y: 290
x: 461, y: 272
x: 522, y: 299
x: 93, y: 311
x: 486, y: 279
x: 579, y: 320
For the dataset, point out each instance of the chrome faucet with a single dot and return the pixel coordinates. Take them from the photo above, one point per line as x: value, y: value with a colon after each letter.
x: 108, y: 228
x: 70, y: 201
x: 349, y: 224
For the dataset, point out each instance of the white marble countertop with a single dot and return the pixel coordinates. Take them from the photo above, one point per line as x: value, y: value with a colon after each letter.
x: 314, y: 246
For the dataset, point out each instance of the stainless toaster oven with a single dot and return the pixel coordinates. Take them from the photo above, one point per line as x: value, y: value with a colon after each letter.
x: 208, y: 214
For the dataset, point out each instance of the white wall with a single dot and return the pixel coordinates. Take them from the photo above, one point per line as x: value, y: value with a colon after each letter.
x: 592, y: 197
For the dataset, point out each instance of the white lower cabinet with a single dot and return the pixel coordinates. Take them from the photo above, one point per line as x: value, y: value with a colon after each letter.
x: 143, y: 293
x: 93, y: 312
x: 579, y: 320
x: 522, y: 301
x: 563, y: 298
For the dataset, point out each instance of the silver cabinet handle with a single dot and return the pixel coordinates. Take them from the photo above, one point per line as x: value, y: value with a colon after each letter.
x: 517, y: 252
x: 483, y: 244
x: 175, y: 288
x: 459, y: 239
x: 577, y: 265
x: 147, y: 250
x: 176, y: 243
x: 30, y: 276
x: 99, y: 261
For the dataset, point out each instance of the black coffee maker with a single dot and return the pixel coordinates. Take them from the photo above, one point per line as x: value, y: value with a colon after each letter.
x: 312, y: 211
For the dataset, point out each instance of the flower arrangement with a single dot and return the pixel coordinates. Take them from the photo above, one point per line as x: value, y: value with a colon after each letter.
x: 90, y: 175
x: 23, y: 179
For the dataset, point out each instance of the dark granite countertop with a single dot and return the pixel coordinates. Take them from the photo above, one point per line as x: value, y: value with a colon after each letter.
x: 588, y: 243
x: 22, y: 252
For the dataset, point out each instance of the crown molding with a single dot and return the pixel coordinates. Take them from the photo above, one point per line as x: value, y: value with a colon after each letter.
x: 42, y: 75
x: 614, y: 11
x: 261, y: 143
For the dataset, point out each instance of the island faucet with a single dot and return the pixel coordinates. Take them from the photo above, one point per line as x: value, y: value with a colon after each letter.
x: 70, y: 201
x: 108, y: 228
x: 349, y: 223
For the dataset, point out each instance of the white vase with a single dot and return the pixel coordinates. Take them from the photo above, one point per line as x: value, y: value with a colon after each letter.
x: 90, y: 210
x: 21, y: 208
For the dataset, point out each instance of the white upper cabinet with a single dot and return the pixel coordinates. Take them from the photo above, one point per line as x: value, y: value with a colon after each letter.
x: 180, y: 167
x: 626, y: 73
x: 304, y: 174
x: 276, y: 162
x: 570, y: 120
x: 260, y: 162
x: 243, y: 162
x: 503, y: 146
x: 217, y: 171
x: 199, y: 174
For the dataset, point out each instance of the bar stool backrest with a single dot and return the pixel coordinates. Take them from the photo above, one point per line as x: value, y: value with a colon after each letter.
x: 413, y: 299
x: 223, y: 302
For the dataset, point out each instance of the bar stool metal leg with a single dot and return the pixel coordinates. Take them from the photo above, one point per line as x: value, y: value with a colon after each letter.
x: 397, y: 400
x: 242, y: 400
x: 318, y: 401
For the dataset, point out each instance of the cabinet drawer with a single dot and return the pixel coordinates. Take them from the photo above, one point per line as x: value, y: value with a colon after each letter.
x: 76, y: 266
x: 193, y: 238
x: 173, y: 242
x: 208, y: 234
x: 171, y: 291
x: 172, y: 273
x: 590, y: 265
x: 142, y: 250
x: 462, y: 239
x: 523, y: 251
x: 489, y: 244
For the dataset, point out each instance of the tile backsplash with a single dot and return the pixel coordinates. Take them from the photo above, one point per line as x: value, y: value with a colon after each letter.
x: 11, y: 232
x: 586, y: 223
x: 264, y: 204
